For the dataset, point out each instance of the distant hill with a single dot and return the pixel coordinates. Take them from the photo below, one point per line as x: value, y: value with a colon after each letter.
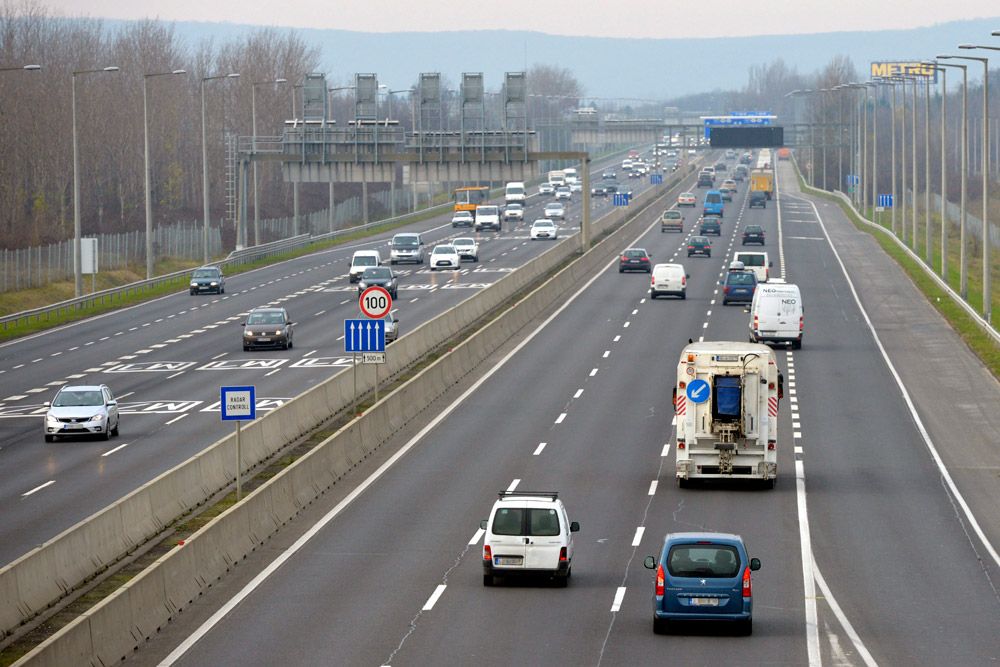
x: 605, y: 66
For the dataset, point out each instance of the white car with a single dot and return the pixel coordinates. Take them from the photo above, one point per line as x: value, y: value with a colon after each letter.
x: 463, y: 219
x: 488, y: 215
x: 668, y: 279
x: 576, y: 187
x: 564, y: 192
x: 513, y: 212
x: 528, y: 533
x: 546, y: 189
x: 467, y: 247
x: 544, y: 229
x: 406, y: 247
x: 444, y: 257
x: 82, y: 410
x: 555, y: 210
x: 360, y: 261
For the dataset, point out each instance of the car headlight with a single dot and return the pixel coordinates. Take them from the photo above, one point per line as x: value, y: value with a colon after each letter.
x: 194, y: 284
x: 278, y: 332
x: 247, y: 334
x: 215, y: 283
x: 362, y: 285
x: 99, y: 417
x: 51, y: 419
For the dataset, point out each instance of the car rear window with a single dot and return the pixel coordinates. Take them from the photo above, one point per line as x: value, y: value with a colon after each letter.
x: 508, y: 521
x: 536, y: 522
x: 635, y: 253
x: 740, y: 278
x: 705, y: 561
x: 714, y: 199
x: 543, y: 522
x: 365, y: 260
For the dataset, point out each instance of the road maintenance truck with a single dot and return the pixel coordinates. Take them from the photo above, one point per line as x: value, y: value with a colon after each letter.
x: 726, y: 403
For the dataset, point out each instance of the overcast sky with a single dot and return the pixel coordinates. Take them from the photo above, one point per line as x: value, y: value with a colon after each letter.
x: 635, y: 18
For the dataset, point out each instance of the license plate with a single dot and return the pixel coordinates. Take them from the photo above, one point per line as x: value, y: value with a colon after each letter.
x: 507, y: 560
x: 704, y: 602
x: 263, y: 340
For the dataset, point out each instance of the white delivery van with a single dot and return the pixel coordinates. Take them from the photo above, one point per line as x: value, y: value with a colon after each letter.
x: 514, y: 192
x: 667, y: 279
x: 557, y: 178
x: 756, y: 262
x: 777, y: 315
x: 361, y: 260
x: 487, y: 216
x: 571, y: 176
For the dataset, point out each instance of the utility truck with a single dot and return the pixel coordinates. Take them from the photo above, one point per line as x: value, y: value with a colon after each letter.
x: 726, y: 403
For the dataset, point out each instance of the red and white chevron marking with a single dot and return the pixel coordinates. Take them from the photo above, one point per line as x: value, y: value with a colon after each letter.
x: 772, y: 406
x: 682, y: 404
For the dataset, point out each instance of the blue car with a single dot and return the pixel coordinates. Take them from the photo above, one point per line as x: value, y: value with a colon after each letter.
x: 703, y: 577
x: 713, y: 203
x: 738, y: 286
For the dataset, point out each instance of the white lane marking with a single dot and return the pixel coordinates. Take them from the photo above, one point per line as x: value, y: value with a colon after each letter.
x: 616, y: 339
x: 561, y: 417
x: 22, y: 366
x: 798, y: 449
x: 637, y: 540
x: 513, y: 485
x: 808, y: 569
x: 642, y: 301
x: 634, y: 312
x: 316, y: 315
x: 268, y: 375
x: 859, y: 645
x: 338, y: 338
x: 607, y: 353
x: 36, y: 390
x: 38, y: 488
x: 666, y: 450
x: 18, y: 397
x: 673, y: 420
x: 475, y: 538
x: 539, y: 449
x: 177, y: 419
x: 796, y: 425
x: 219, y: 356
x: 652, y: 488
x: 170, y: 377
x: 593, y: 372
x: 432, y: 600
x: 619, y: 596
x: 341, y: 303
x: 704, y: 325
x: 797, y: 434
x: 121, y: 446
x: 625, y: 325
x: 711, y: 303
x: 578, y: 394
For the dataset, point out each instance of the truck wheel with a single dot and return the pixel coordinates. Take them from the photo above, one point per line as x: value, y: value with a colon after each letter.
x: 796, y: 344
x: 683, y: 483
x: 769, y: 483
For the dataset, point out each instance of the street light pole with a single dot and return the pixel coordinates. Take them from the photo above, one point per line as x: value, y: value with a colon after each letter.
x: 253, y: 146
x: 944, y: 172
x: 204, y: 162
x: 145, y: 140
x: 77, y: 260
x: 963, y: 279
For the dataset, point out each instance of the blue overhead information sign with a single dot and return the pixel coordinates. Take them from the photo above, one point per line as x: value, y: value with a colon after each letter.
x: 364, y: 336
x: 621, y: 198
x: 656, y: 179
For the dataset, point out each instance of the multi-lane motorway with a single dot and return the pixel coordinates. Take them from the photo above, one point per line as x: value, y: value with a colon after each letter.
x: 165, y: 361
x: 877, y: 542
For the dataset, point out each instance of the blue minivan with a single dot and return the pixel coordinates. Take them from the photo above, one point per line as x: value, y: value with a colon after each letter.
x: 713, y: 203
x: 703, y: 577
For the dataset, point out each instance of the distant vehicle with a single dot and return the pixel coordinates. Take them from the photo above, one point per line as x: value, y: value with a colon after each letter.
x: 557, y: 177
x: 381, y: 276
x: 686, y: 199
x: 699, y: 245
x: 668, y: 279
x: 463, y: 219
x: 777, y: 315
x: 514, y: 192
x: 555, y: 211
x: 756, y: 262
x: 784, y: 153
x: 445, y: 256
x: 720, y: 167
x: 608, y: 175
x: 528, y: 533
x: 571, y: 175
x: 634, y: 259
x: 82, y: 410
x: 710, y: 225
x: 267, y: 327
x: 360, y: 261
x: 757, y: 199
x: 208, y: 279
x: 600, y: 190
x: 406, y: 247
x: 468, y: 198
x: 626, y: 164
x: 705, y: 180
x: 563, y: 192
x: 753, y: 234
x: 703, y: 577
x: 576, y: 186
x: 730, y: 154
x: 543, y: 229
x: 467, y: 248
x: 513, y: 211
x: 762, y: 180
x: 671, y: 221
x: 546, y: 189
x: 488, y: 216
x: 738, y: 287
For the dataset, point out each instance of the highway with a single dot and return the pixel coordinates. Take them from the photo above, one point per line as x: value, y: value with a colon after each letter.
x: 166, y: 359
x: 869, y: 557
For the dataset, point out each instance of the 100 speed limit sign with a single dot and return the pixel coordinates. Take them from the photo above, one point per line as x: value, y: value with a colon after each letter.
x: 375, y: 302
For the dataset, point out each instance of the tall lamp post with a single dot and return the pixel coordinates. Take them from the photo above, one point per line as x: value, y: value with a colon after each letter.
x: 253, y: 125
x: 963, y: 271
x: 987, y: 274
x: 204, y: 160
x: 944, y: 174
x: 77, y: 260
x: 145, y: 141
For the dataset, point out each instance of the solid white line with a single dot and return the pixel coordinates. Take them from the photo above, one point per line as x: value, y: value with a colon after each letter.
x: 842, y: 617
x: 666, y: 450
x: 593, y: 372
x: 121, y: 446
x: 652, y: 487
x: 579, y: 393
x: 432, y: 600
x: 539, y: 449
x: 619, y: 596
x: 177, y: 419
x: 475, y: 538
x: 561, y: 417
x: 513, y: 485
x: 38, y: 488
x: 808, y: 572
x: 637, y: 540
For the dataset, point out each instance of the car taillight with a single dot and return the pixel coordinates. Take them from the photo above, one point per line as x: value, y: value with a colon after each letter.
x: 771, y: 444
x: 624, y: 258
x: 487, y: 552
x: 767, y: 274
x: 725, y: 289
x: 746, y: 582
x: 659, y: 581
x: 652, y: 282
x: 690, y: 247
x: 680, y: 444
x: 683, y: 281
x: 645, y: 259
x: 562, y: 555
x: 800, y: 323
x: 756, y: 323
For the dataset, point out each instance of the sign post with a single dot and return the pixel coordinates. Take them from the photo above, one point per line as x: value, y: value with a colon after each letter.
x: 367, y: 336
x: 239, y: 404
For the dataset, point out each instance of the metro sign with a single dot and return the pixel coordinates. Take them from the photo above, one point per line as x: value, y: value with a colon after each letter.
x: 898, y: 68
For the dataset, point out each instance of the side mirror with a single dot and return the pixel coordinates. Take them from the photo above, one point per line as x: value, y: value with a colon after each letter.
x: 290, y: 323
x: 482, y: 524
x: 770, y: 265
x: 243, y: 324
x: 574, y: 527
x: 688, y: 275
x: 112, y: 402
x: 47, y: 404
x: 754, y: 564
x: 649, y: 563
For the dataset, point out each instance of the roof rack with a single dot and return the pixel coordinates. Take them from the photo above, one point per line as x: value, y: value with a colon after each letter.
x: 541, y: 494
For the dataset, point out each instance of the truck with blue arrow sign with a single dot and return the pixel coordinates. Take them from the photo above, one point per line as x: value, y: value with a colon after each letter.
x: 726, y: 406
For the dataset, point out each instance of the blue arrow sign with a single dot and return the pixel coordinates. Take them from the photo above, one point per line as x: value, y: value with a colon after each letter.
x: 621, y: 199
x: 364, y: 336
x: 885, y: 201
x: 698, y: 391
x: 656, y: 179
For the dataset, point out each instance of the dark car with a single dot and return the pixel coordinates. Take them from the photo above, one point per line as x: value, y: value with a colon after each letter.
x: 391, y: 323
x: 700, y: 245
x: 614, y: 188
x: 267, y: 327
x: 635, y: 259
x: 705, y: 181
x: 608, y: 176
x: 720, y: 166
x: 208, y: 279
x: 738, y: 287
x: 599, y: 190
x: 753, y: 234
x: 758, y: 198
x: 381, y: 276
x: 710, y: 225
x: 703, y: 577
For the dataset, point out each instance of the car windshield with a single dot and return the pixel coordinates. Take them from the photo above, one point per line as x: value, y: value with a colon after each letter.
x: 205, y: 273
x: 514, y: 207
x: 740, y: 278
x: 405, y: 242
x: 751, y: 260
x: 705, y: 561
x: 562, y: 189
x: 543, y: 223
x: 463, y: 242
x: 699, y: 240
x: 463, y: 214
x: 553, y: 207
x: 377, y: 273
x: 486, y: 210
x: 444, y: 250
x: 78, y: 397
x: 365, y: 260
x: 273, y: 317
x: 512, y: 190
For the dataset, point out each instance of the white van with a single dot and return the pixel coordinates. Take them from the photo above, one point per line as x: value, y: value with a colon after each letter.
x: 668, y: 279
x: 487, y: 215
x: 777, y: 315
x: 360, y: 261
x: 557, y: 178
x: 514, y: 192
x: 406, y: 247
x: 571, y: 176
x: 528, y: 533
x: 756, y: 262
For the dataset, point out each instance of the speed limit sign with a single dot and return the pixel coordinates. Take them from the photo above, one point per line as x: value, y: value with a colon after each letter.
x: 375, y: 302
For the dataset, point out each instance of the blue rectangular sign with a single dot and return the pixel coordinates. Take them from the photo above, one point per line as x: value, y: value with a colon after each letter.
x: 621, y: 199
x: 364, y: 336
x: 885, y: 201
x: 238, y: 403
x: 656, y: 179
